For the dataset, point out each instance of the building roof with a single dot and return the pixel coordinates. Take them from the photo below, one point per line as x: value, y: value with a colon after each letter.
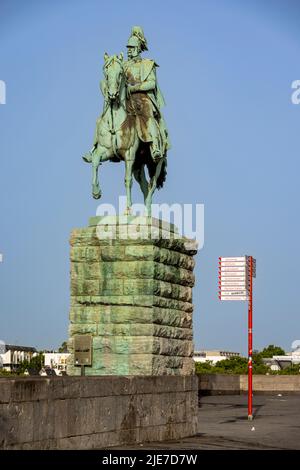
x: 12, y: 347
x: 214, y: 352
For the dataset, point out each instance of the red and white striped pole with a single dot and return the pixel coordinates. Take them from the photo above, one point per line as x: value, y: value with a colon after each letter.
x: 250, y: 339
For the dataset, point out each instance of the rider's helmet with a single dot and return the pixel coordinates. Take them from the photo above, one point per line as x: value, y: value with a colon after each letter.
x: 138, y: 32
x: 133, y: 42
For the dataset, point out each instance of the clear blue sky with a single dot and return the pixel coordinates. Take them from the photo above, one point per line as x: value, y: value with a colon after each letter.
x: 226, y: 69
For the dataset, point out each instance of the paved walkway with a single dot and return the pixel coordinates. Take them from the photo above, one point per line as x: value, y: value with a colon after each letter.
x: 223, y: 424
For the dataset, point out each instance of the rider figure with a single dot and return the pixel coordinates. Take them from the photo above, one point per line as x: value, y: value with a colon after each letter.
x: 144, y: 98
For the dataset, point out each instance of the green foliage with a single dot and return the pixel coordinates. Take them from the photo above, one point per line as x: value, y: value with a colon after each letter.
x: 234, y: 365
x: 271, y: 351
x: 291, y: 370
x: 204, y: 367
x: 63, y: 348
x: 5, y: 373
x: 36, y: 363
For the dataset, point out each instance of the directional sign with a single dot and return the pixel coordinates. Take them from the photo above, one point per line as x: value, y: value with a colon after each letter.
x: 234, y: 277
x: 226, y: 269
x: 231, y: 297
x: 236, y: 283
x: 234, y: 291
x: 237, y: 258
x: 232, y: 282
x: 232, y: 263
x: 233, y: 274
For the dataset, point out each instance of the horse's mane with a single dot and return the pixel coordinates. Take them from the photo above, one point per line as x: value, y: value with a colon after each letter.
x: 113, y: 58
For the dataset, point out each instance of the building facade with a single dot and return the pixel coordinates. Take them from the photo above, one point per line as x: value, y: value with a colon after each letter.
x: 12, y: 356
x: 56, y: 361
x: 213, y: 356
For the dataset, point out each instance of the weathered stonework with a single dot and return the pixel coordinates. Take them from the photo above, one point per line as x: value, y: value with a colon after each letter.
x: 133, y: 294
x: 67, y: 413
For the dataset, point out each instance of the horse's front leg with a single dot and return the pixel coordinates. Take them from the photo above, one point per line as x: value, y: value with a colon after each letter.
x: 96, y: 191
x: 128, y: 183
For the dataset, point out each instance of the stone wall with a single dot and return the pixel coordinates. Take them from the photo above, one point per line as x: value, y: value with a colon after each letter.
x: 213, y: 384
x: 95, y: 412
x: 131, y: 290
x: 272, y: 383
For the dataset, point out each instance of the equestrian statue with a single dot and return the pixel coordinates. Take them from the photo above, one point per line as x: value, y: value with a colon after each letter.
x: 131, y: 127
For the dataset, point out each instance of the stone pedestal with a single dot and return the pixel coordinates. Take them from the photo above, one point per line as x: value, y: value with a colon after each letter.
x: 131, y: 290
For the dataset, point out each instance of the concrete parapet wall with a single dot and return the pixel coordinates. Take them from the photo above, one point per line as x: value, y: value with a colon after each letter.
x: 212, y: 384
x: 95, y: 412
x: 272, y: 383
x: 215, y: 383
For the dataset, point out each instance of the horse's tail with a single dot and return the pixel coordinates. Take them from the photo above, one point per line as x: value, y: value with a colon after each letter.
x: 151, y: 165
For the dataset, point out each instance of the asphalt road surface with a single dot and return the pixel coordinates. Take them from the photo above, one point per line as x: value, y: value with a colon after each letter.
x: 223, y: 424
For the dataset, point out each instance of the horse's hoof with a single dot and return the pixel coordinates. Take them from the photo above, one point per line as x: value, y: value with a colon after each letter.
x: 96, y: 192
x: 87, y: 158
x: 97, y: 195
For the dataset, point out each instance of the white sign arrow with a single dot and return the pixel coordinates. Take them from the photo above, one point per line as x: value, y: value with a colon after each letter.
x: 233, y: 263
x: 234, y: 292
x: 227, y: 274
x: 237, y: 258
x: 238, y: 297
x: 233, y: 282
x: 233, y: 268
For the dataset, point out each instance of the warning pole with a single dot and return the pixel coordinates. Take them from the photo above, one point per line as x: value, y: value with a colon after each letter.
x: 250, y: 339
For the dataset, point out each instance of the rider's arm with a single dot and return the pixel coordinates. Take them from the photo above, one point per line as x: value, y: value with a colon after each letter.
x: 147, y: 85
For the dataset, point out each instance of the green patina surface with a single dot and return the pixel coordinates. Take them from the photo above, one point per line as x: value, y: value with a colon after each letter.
x: 131, y: 127
x: 134, y: 297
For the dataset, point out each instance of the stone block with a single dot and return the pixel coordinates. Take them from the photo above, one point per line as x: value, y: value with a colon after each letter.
x: 16, y: 423
x: 139, y: 252
x: 5, y: 394
x: 113, y: 253
x: 29, y: 389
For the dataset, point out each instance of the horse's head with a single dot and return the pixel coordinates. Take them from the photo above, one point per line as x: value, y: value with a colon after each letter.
x: 113, y: 73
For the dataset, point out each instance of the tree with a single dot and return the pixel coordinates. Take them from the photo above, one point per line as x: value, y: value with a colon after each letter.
x: 293, y: 369
x: 206, y: 367
x: 232, y: 365
x: 36, y: 363
x: 271, y: 351
x: 63, y: 348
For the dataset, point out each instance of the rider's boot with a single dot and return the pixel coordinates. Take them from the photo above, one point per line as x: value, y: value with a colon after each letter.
x: 88, y: 157
x: 155, y: 152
